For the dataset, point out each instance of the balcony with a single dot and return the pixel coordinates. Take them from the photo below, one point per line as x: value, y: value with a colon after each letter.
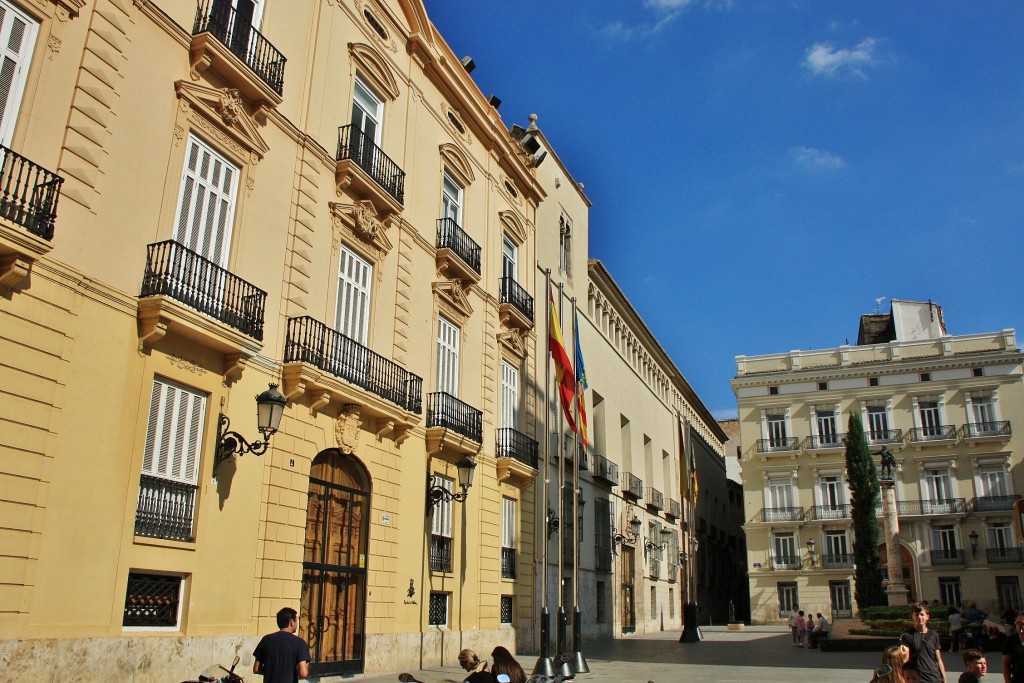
x: 28, y: 209
x: 837, y: 511
x: 516, y: 306
x: 508, y: 563
x: 458, y: 256
x: 675, y: 509
x: 843, y: 561
x: 454, y: 428
x: 787, y: 444
x: 880, y: 437
x: 225, y: 42
x: 655, y: 499
x: 788, y: 514
x: 166, y: 509
x: 1004, y: 555
x: 517, y: 457
x: 974, y: 432
x: 632, y: 486
x: 827, y: 442
x: 786, y: 562
x: 947, y: 556
x: 364, y: 167
x: 178, y: 283
x: 939, y: 434
x: 913, y: 508
x: 994, y: 503
x: 605, y: 470
x: 440, y: 553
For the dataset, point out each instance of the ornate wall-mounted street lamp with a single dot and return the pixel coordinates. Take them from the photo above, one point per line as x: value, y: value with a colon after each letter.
x: 435, y: 493
x: 633, y: 533
x: 810, y: 550
x: 269, y: 409
x: 552, y: 520
x: 650, y: 545
x: 974, y: 544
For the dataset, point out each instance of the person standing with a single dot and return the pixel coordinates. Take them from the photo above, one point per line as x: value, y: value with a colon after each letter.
x: 975, y: 666
x: 925, y: 648
x: 1013, y: 653
x: 956, y: 628
x: 282, y: 656
x: 808, y: 628
x: 794, y: 614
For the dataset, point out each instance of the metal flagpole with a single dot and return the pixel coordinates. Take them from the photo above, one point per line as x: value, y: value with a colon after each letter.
x: 691, y: 629
x: 579, y: 663
x: 560, y: 617
x: 543, y: 666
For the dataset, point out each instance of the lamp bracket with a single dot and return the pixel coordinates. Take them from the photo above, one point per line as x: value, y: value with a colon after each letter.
x: 230, y: 442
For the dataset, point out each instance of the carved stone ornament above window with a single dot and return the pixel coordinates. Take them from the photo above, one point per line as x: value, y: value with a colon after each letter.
x: 456, y: 161
x: 450, y: 298
x: 514, y: 341
x: 221, y: 114
x: 374, y: 68
x: 514, y: 226
x: 361, y: 222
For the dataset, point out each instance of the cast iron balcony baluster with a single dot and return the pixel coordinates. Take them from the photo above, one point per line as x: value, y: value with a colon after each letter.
x: 633, y: 486
x: 440, y: 553
x: 778, y: 444
x: 28, y: 194
x: 885, y: 436
x: 655, y: 498
x: 180, y: 273
x: 831, y: 511
x: 788, y: 514
x: 508, y: 563
x: 840, y: 561
x: 605, y: 469
x: 786, y: 562
x: 235, y: 30
x: 451, y: 236
x: 444, y: 410
x: 512, y: 293
x: 819, y: 441
x: 310, y: 341
x: 356, y: 145
x: 994, y: 503
x: 1004, y: 555
x: 516, y: 445
x: 947, y: 556
x: 675, y: 508
x: 977, y: 430
x: 166, y: 509
x: 934, y: 433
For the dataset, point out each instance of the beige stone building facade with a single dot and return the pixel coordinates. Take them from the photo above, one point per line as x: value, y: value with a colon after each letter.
x: 949, y: 407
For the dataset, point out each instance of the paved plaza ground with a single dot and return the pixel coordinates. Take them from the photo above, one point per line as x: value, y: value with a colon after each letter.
x: 762, y: 654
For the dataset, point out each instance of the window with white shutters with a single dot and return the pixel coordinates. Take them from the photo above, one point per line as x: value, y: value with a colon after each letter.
x: 447, y: 357
x: 508, y: 523
x: 17, y: 39
x: 206, y: 204
x: 174, y: 432
x: 442, y: 512
x: 509, y: 396
x: 352, y: 311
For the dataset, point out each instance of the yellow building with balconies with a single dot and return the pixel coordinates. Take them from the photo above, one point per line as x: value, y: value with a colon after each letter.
x: 946, y: 405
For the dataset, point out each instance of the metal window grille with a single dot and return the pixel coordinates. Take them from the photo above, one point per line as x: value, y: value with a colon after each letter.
x: 440, y: 555
x: 152, y: 600
x: 506, y: 609
x: 437, y: 614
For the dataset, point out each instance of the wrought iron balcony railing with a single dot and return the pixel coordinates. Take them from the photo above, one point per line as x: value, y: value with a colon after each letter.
x: 885, y: 436
x: 632, y: 485
x: 787, y: 514
x: 947, y: 556
x: 603, y: 468
x: 911, y: 508
x: 675, y: 509
x: 837, y: 561
x: 512, y: 293
x: 356, y: 145
x: 508, y: 563
x: 778, y: 445
x: 655, y: 498
x: 786, y: 562
x: 444, y: 410
x: 994, y: 503
x: 440, y: 553
x: 451, y: 236
x: 836, y: 511
x: 516, y: 445
x: 310, y: 341
x: 235, y: 30
x: 1004, y: 555
x: 936, y: 433
x: 178, y: 272
x: 823, y: 441
x: 28, y: 194
x: 166, y: 509
x: 981, y: 430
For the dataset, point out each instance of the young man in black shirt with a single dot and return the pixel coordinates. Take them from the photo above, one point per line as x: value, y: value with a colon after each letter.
x: 925, y: 649
x: 282, y: 656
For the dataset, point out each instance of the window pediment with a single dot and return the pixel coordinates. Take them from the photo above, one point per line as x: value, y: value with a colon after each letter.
x: 458, y: 163
x: 222, y: 115
x: 451, y: 300
x: 361, y: 223
x: 513, y: 226
x: 374, y: 68
x: 513, y: 340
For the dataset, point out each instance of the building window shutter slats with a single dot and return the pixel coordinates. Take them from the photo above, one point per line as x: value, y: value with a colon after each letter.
x: 174, y: 432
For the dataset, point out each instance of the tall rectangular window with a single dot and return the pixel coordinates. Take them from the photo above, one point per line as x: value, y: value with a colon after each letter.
x: 441, y: 529
x: 944, y: 542
x: 509, y: 259
x: 878, y: 423
x: 780, y: 500
x: 451, y: 199
x: 983, y: 412
x: 837, y: 552
x: 509, y: 396
x: 938, y: 488
x: 508, y: 538
x: 992, y: 481
x: 507, y: 604
x: 352, y: 311
x: 1008, y: 592
x: 206, y: 202
x: 839, y: 595
x: 833, y: 494
x: 776, y: 424
x: 447, y: 357
x: 600, y: 605
x: 785, y: 549
x: 564, y: 244
x: 367, y: 112
x: 788, y: 598
x: 931, y: 424
x: 1000, y: 539
x: 828, y: 435
x: 437, y: 612
x: 949, y: 590
x: 17, y: 40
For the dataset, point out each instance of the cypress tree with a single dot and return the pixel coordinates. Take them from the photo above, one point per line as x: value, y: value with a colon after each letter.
x: 865, y: 498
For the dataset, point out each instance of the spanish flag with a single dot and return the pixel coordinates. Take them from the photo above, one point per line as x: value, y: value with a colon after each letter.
x: 563, y: 368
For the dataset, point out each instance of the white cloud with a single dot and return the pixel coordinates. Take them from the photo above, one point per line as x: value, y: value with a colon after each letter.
x: 616, y: 30
x: 815, y: 159
x: 825, y: 60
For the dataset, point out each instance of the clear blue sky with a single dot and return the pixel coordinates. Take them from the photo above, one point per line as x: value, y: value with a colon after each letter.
x: 762, y: 170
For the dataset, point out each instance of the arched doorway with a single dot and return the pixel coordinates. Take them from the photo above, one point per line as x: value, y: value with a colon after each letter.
x: 907, y: 560
x: 334, y: 563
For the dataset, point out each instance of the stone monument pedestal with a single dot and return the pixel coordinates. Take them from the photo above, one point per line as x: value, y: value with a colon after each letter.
x: 896, y: 591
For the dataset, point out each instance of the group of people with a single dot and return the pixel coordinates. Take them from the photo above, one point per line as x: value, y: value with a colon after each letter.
x: 502, y: 662
x: 806, y: 631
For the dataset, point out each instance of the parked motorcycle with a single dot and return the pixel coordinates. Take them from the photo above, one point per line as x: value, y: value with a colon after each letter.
x: 218, y: 674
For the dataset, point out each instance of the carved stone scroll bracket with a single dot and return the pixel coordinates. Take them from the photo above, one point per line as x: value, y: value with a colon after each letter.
x: 234, y: 365
x: 318, y: 401
x: 293, y: 389
x: 13, y: 270
x: 401, y: 433
x: 152, y: 329
x: 385, y: 426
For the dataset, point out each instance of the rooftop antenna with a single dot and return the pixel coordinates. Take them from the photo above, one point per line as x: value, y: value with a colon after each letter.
x: 878, y: 303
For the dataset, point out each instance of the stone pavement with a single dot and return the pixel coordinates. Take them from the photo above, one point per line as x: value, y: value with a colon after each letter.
x: 762, y: 654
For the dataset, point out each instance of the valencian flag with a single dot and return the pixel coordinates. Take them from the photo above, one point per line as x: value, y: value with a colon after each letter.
x: 581, y: 382
x: 563, y: 368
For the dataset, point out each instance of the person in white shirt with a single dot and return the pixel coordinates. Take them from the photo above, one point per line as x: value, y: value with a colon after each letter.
x: 794, y: 626
x: 820, y: 632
